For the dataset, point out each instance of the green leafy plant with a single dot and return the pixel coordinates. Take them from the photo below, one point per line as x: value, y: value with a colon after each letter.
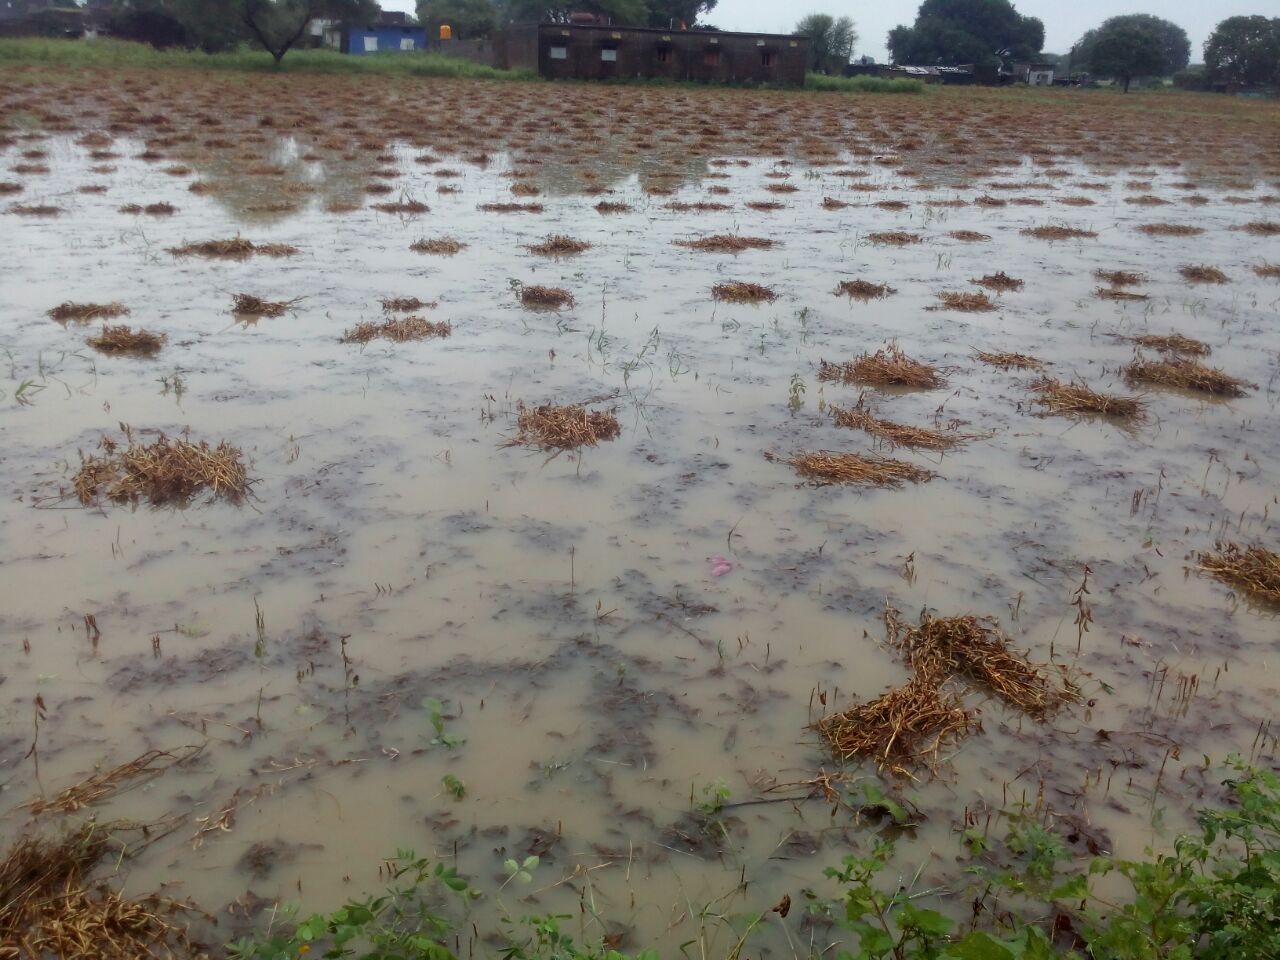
x: 435, y: 713
x: 454, y: 786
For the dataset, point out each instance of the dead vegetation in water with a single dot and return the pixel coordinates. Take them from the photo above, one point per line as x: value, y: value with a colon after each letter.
x: 964, y: 302
x: 236, y: 249
x: 738, y: 291
x: 609, y: 206
x: 247, y: 305
x: 824, y: 468
x: 151, y: 209
x: 1000, y: 282
x: 397, y: 330
x: 1120, y: 278
x: 404, y: 304
x: 403, y: 207
x: 1268, y: 271
x: 556, y: 427
x: 831, y: 203
x: 969, y: 236
x: 942, y: 648
x: 1122, y: 296
x: 99, y: 786
x: 84, y: 312
x: 1078, y: 399
x: 1175, y: 343
x: 1260, y: 228
x: 1054, y: 232
x: 162, y: 472
x: 1254, y: 569
x: 1203, y: 274
x: 49, y: 906
x: 1009, y: 361
x: 725, y: 243
x: 439, y: 246
x: 1186, y: 375
x: 864, y: 290
x: 698, y: 206
x: 550, y: 297
x: 894, y: 238
x: 900, y: 729
x: 1169, y: 230
x: 558, y: 245
x: 888, y: 366
x: 896, y: 434
x: 123, y: 340
x: 511, y: 207
x: 8, y: 186
x: 36, y: 210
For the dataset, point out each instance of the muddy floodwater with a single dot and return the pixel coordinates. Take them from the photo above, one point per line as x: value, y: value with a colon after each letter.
x: 619, y: 634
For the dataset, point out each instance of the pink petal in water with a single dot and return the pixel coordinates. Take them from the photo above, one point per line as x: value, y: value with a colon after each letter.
x: 719, y: 566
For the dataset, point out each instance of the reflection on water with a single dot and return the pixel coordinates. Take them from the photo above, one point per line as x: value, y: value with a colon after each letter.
x: 598, y: 683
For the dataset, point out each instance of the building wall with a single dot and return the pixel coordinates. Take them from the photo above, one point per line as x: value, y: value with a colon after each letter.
x: 356, y: 40
x: 562, y: 51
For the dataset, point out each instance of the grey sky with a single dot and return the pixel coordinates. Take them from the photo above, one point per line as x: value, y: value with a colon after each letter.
x: 1064, y: 20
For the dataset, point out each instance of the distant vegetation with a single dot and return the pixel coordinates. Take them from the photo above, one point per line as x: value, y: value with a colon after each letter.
x: 818, y: 81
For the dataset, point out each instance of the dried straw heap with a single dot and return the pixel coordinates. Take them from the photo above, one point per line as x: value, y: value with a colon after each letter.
x: 162, y: 472
x: 397, y: 330
x: 1120, y: 278
x: 440, y: 246
x: 823, y: 468
x: 894, y: 238
x: 553, y: 297
x: 864, y: 290
x: 1202, y: 274
x: 1058, y: 233
x: 725, y: 243
x: 739, y: 291
x: 888, y: 366
x: 84, y: 312
x: 969, y: 236
x: 1077, y: 398
x: 606, y: 206
x: 1260, y: 228
x: 1174, y: 343
x: 978, y: 650
x: 49, y: 907
x: 1186, y: 374
x: 999, y: 281
x: 403, y: 304
x: 123, y: 340
x: 1255, y: 569
x: 895, y: 434
x: 1010, y: 361
x: 237, y: 249
x: 964, y: 302
x: 246, y: 304
x: 1124, y: 296
x: 106, y: 783
x: 555, y: 427
x: 559, y: 245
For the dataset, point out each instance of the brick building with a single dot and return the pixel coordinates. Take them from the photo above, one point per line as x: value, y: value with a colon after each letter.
x: 595, y: 52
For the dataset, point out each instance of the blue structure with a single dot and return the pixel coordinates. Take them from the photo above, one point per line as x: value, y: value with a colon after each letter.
x: 381, y: 38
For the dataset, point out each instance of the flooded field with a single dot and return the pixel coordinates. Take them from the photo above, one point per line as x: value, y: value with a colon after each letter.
x: 426, y: 625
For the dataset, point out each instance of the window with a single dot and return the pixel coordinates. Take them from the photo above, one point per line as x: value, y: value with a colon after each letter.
x: 609, y: 55
x: 559, y: 53
x: 406, y: 43
x: 370, y: 44
x: 768, y: 58
x: 664, y: 54
x: 711, y: 58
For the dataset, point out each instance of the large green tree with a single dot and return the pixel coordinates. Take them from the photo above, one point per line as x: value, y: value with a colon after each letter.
x: 1174, y: 43
x: 952, y: 32
x: 669, y: 14
x: 1244, y: 50
x: 830, y: 41
x: 275, y: 25
x: 1127, y: 52
x: 467, y: 18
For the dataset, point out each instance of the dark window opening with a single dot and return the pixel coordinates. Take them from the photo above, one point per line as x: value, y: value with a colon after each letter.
x: 768, y: 58
x: 711, y: 58
x: 664, y: 54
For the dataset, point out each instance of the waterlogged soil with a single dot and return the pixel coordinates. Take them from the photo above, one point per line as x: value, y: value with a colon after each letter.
x: 600, y: 672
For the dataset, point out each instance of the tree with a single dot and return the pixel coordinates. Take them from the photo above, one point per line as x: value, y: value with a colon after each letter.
x: 952, y: 32
x: 276, y: 25
x: 468, y: 18
x: 1244, y: 50
x: 830, y: 41
x: 1127, y: 52
x: 669, y: 14
x: 1173, y: 40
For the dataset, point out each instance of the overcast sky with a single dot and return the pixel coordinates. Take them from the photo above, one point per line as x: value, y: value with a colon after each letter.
x: 1064, y: 20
